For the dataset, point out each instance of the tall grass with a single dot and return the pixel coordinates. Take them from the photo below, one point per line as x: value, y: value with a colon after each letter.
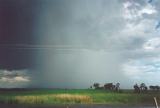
x: 59, y: 99
x: 74, y: 98
x: 30, y: 99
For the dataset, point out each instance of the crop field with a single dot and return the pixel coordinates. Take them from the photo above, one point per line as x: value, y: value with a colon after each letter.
x: 75, y: 96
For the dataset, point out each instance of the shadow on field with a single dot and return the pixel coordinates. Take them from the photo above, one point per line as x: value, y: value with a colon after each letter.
x: 71, y: 106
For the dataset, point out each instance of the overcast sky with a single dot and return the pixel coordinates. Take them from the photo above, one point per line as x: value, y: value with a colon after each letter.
x: 74, y: 43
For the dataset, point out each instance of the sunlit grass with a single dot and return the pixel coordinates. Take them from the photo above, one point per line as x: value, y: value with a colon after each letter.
x: 30, y: 99
x: 59, y: 99
x: 74, y: 98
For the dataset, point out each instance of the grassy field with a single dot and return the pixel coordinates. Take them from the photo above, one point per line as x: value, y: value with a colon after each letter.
x: 88, y: 96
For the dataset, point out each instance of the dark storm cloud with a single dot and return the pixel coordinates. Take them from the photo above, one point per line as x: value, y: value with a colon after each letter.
x: 150, y: 1
x: 16, y: 27
x: 158, y: 25
x: 17, y: 21
x: 88, y: 28
x: 78, y: 23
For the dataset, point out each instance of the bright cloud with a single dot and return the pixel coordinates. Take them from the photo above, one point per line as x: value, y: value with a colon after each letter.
x: 146, y: 69
x: 13, y: 78
x: 134, y: 11
x: 144, y: 64
x: 152, y: 44
x: 140, y: 29
x: 135, y: 21
x: 148, y: 9
x: 127, y: 4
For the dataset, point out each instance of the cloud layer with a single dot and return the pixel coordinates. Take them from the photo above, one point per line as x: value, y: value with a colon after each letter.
x: 77, y: 43
x: 142, y: 65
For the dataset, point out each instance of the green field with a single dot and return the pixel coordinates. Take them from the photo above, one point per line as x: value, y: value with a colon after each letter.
x: 87, y: 96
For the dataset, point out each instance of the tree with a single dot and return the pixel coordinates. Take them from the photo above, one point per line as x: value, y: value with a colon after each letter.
x: 136, y: 88
x: 117, y: 86
x: 96, y: 85
x: 143, y: 87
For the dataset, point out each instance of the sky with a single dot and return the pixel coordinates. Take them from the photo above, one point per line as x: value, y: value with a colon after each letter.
x: 75, y: 43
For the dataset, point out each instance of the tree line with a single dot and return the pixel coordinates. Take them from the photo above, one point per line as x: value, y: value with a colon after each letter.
x: 107, y: 86
x: 116, y: 87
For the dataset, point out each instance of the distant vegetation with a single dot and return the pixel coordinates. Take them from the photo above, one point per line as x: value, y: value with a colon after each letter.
x: 137, y: 88
x: 107, y: 86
